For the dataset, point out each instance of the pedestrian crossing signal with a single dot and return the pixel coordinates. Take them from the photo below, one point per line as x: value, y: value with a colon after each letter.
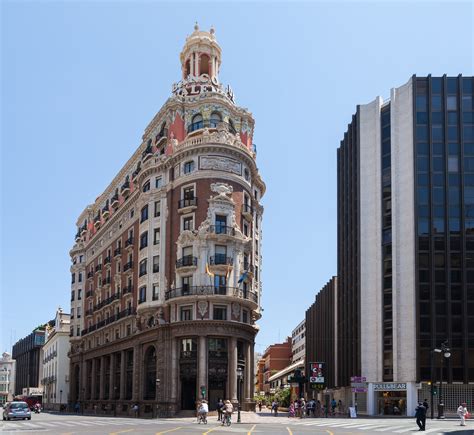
x: 435, y: 390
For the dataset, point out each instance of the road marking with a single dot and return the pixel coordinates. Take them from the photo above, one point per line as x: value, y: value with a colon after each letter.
x: 211, y: 430
x: 250, y: 431
x: 410, y: 429
x: 169, y: 430
x: 385, y: 429
x: 329, y: 432
x: 289, y: 431
x: 120, y: 431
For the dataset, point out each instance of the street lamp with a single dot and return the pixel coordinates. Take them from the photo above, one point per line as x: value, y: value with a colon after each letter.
x: 83, y: 400
x: 157, y: 383
x: 60, y: 399
x: 239, y: 379
x: 445, y: 351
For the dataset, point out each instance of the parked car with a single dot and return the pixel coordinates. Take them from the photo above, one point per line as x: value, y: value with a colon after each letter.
x: 14, y: 410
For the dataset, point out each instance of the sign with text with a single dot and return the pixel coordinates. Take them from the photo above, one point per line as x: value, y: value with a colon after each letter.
x: 389, y: 386
x: 358, y: 379
x: 316, y: 374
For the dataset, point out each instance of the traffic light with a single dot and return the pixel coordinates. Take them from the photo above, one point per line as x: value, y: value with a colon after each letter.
x: 203, y: 391
x: 435, y: 390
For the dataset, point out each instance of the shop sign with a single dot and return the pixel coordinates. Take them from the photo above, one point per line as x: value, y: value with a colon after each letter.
x: 359, y: 390
x: 358, y: 379
x: 389, y: 386
x: 316, y: 373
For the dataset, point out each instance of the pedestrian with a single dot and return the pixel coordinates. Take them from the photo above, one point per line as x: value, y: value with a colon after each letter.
x: 302, y: 408
x: 340, y: 407
x: 135, y: 409
x: 275, y: 408
x: 219, y: 406
x: 291, y: 410
x: 260, y: 406
x: 76, y: 407
x: 333, y: 406
x: 426, y: 405
x: 420, y: 414
x: 462, y: 412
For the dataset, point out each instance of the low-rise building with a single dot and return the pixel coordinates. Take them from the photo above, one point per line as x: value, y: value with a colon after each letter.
x: 259, y: 372
x: 277, y: 357
x: 7, y: 378
x: 55, y: 361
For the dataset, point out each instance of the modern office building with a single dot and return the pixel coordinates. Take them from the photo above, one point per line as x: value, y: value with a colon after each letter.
x: 7, y: 378
x: 321, y: 341
x: 172, y: 257
x: 27, y: 352
x: 55, y: 374
x: 298, y: 341
x: 406, y: 244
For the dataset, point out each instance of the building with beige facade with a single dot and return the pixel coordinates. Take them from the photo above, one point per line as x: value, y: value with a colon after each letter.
x: 7, y: 378
x: 171, y: 255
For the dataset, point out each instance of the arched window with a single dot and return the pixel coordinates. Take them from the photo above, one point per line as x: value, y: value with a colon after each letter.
x: 196, y: 123
x: 204, y: 66
x: 231, y: 127
x: 149, y: 391
x: 187, y: 68
x: 215, y: 119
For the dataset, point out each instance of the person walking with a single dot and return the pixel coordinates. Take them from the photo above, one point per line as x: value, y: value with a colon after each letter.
x: 462, y: 412
x: 260, y: 406
x: 426, y: 405
x: 219, y: 406
x: 135, y: 410
x: 420, y: 414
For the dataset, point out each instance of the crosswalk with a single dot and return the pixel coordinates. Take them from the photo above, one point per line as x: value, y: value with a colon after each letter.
x: 58, y: 424
x: 386, y: 426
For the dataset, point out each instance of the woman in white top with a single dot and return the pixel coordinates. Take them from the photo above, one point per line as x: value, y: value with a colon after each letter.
x: 462, y: 411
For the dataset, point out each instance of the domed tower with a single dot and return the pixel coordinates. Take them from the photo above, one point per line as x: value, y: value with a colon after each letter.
x: 173, y: 255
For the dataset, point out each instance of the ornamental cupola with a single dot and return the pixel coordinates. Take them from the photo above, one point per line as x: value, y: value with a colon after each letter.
x: 201, y: 55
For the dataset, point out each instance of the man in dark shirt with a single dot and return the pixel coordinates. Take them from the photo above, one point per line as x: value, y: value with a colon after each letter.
x: 420, y: 414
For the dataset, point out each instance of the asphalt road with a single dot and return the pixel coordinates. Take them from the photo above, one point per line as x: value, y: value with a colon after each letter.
x: 55, y: 424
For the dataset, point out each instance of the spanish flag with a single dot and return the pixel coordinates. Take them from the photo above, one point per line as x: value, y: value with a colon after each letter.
x: 208, y: 271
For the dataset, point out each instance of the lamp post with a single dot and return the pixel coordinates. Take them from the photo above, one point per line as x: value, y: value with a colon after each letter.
x: 157, y: 383
x: 239, y: 379
x: 446, y: 353
x: 115, y: 400
x: 60, y: 399
x: 82, y: 404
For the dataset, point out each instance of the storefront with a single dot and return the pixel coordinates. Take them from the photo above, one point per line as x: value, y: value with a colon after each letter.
x: 391, y: 398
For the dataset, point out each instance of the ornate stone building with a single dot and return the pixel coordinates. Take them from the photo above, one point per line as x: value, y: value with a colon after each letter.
x: 171, y: 257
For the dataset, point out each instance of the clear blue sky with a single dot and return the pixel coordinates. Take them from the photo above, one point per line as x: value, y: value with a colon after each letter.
x: 81, y: 80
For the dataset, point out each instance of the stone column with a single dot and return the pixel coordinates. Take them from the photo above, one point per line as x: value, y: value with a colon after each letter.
x: 252, y: 369
x: 93, y: 378
x: 196, y: 65
x: 111, y: 377
x: 136, y: 373
x: 102, y: 378
x: 174, y: 370
x: 202, y: 365
x: 233, y: 369
x: 248, y: 373
x: 122, y: 374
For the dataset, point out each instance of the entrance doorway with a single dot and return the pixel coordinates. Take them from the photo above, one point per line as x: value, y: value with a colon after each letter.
x: 188, y: 393
x: 217, y: 391
x: 392, y: 403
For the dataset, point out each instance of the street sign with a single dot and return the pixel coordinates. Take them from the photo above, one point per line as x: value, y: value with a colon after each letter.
x: 316, y: 375
x: 358, y: 379
x: 359, y: 390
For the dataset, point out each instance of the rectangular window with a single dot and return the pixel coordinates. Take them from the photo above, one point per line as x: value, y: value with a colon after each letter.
x: 155, y: 293
x: 156, y: 236
x: 73, y: 278
x: 79, y: 294
x: 144, y: 214
x: 146, y: 186
x: 246, y: 229
x: 220, y: 312
x: 220, y: 284
x: 245, y: 316
x: 221, y: 224
x: 186, y: 313
x: 188, y: 193
x: 157, y: 208
x: 80, y: 277
x: 78, y: 312
x: 187, y: 283
x: 221, y: 254
x: 188, y: 223
x: 188, y: 167
x: 156, y: 263
x: 73, y: 295
x: 142, y: 295
x: 158, y: 182
x: 143, y: 267
x: 72, y: 313
x: 144, y: 240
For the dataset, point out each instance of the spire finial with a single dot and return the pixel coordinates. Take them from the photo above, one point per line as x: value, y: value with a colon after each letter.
x: 196, y: 26
x: 212, y: 30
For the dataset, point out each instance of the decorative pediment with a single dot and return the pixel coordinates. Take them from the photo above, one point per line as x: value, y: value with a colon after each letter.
x: 187, y: 237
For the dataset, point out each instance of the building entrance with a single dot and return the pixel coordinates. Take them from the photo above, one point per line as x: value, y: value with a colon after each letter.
x: 188, y: 393
x: 392, y: 403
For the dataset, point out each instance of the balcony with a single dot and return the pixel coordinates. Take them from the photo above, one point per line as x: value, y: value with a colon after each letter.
x: 129, y: 242
x: 89, y: 294
x: 78, y: 236
x: 148, y: 153
x: 220, y: 259
x: 128, y: 289
x: 186, y: 261
x: 125, y: 189
x: 107, y: 260
x: 105, y: 212
x: 186, y: 205
x: 247, y: 212
x: 211, y: 124
x: 128, y: 266
x: 109, y: 300
x: 89, y: 312
x: 107, y: 280
x: 209, y: 290
x: 114, y: 202
x: 223, y: 230
x: 125, y: 313
x: 98, y: 268
x: 117, y: 252
x: 90, y: 274
x: 136, y: 171
x: 161, y: 137
x: 188, y: 354
x: 84, y: 230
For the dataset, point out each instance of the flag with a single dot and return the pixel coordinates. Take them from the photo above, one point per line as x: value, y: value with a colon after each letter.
x: 208, y: 271
x: 242, y: 277
x: 229, y: 269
